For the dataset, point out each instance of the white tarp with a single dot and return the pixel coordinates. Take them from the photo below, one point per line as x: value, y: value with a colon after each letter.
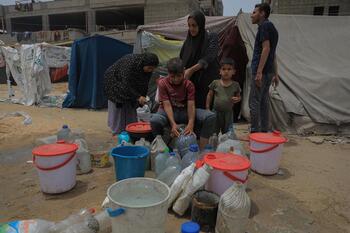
x: 313, y: 57
x: 29, y: 66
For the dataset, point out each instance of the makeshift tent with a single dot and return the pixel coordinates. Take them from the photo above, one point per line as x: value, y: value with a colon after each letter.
x: 166, y: 39
x: 29, y: 66
x: 313, y: 56
x: 90, y: 58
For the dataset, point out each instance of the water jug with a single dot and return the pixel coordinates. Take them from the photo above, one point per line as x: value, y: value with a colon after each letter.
x: 160, y: 161
x: 191, y: 156
x: 64, y: 134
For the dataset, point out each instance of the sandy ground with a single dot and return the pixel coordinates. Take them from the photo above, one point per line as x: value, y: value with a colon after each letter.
x: 311, y: 196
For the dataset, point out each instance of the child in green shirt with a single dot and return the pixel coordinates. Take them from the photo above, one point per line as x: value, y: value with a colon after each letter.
x: 225, y: 93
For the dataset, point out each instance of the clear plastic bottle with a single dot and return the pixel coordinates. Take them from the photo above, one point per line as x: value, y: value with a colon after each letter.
x: 214, y: 141
x: 160, y: 161
x: 145, y: 143
x: 169, y: 175
x: 26, y: 226
x: 173, y: 160
x: 123, y: 137
x: 71, y: 220
x: 64, y: 134
x: 191, y: 156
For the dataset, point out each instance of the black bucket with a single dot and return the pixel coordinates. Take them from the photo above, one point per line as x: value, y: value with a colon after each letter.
x: 205, y: 209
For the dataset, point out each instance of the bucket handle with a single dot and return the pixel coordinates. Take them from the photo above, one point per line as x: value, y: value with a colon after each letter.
x: 234, y: 178
x: 263, y: 150
x: 115, y: 213
x: 54, y: 167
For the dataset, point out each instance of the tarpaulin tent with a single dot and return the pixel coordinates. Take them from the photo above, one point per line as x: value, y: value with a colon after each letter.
x: 90, y: 58
x: 29, y: 66
x: 313, y: 56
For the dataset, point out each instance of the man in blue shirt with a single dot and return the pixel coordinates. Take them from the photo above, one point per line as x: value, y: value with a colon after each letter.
x: 264, y: 68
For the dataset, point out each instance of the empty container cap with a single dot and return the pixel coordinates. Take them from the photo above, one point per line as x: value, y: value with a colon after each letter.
x: 190, y: 227
x: 194, y: 148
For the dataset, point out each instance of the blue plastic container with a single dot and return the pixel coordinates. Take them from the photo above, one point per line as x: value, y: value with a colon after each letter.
x: 123, y: 136
x: 129, y: 161
x: 190, y: 227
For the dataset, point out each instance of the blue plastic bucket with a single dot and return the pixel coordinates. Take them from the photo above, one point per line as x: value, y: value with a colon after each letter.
x: 129, y: 161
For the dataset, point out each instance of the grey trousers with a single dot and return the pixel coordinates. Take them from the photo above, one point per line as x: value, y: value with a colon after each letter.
x: 205, y: 121
x: 119, y: 118
x: 259, y: 104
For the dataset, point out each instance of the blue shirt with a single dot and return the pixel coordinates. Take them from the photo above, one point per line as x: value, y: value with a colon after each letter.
x: 266, y: 31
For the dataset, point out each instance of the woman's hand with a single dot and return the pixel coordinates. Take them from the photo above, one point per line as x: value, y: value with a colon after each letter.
x: 236, y: 99
x: 188, y: 73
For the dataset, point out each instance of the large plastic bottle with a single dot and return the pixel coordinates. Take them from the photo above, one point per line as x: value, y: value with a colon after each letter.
x: 191, y: 156
x: 83, y: 156
x: 71, y: 220
x: 99, y: 223
x: 234, y: 209
x: 26, y: 226
x: 145, y: 143
x: 64, y: 134
x: 169, y: 175
x: 160, y: 161
x: 157, y: 146
x: 173, y: 160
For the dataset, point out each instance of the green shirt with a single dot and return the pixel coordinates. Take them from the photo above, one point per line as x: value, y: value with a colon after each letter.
x: 223, y: 95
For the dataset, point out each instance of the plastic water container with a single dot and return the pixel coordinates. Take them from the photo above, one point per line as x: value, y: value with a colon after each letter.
x: 56, y: 166
x: 191, y: 156
x: 228, y: 170
x: 138, y: 205
x: 173, y: 160
x: 64, y: 134
x: 83, y: 157
x: 144, y: 142
x: 123, y: 136
x: 129, y: 161
x: 190, y: 227
x: 266, y: 152
x: 169, y: 175
x: 160, y: 161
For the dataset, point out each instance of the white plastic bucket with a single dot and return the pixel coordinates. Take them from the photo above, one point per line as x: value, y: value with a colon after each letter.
x: 266, y: 152
x: 228, y: 169
x: 220, y: 181
x: 56, y: 167
x: 138, y: 205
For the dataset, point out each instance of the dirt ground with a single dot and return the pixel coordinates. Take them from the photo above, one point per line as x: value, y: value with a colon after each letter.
x: 312, y: 194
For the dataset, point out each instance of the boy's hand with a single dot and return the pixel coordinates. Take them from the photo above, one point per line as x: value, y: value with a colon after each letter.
x: 275, y: 81
x: 188, y: 129
x: 236, y: 99
x: 142, y: 100
x: 174, y: 131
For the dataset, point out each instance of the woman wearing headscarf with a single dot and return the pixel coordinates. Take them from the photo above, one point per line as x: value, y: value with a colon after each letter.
x: 200, y: 56
x: 126, y: 86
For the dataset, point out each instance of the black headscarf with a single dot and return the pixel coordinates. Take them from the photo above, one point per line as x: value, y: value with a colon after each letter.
x: 194, y: 47
x: 126, y: 80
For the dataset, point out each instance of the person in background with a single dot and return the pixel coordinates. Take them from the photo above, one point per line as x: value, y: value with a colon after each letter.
x: 199, y: 54
x: 264, y: 68
x: 126, y: 86
x: 225, y: 93
x: 177, y: 106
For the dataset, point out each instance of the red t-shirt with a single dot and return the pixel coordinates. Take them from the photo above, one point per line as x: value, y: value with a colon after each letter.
x: 178, y: 95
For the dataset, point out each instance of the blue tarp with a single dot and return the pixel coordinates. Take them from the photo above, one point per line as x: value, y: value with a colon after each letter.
x: 90, y: 58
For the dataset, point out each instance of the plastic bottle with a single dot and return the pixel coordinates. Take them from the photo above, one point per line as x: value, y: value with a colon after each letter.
x: 83, y: 156
x: 169, y: 175
x: 64, y: 134
x: 177, y: 154
x: 190, y: 227
x: 71, y: 220
x: 26, y: 226
x: 207, y: 149
x: 173, y: 160
x: 234, y: 209
x: 123, y: 136
x: 143, y: 142
x: 191, y: 156
x: 157, y: 146
x: 160, y: 161
x: 214, y: 141
x: 198, y: 180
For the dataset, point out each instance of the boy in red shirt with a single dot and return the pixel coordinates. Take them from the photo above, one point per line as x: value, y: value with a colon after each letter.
x: 177, y: 106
